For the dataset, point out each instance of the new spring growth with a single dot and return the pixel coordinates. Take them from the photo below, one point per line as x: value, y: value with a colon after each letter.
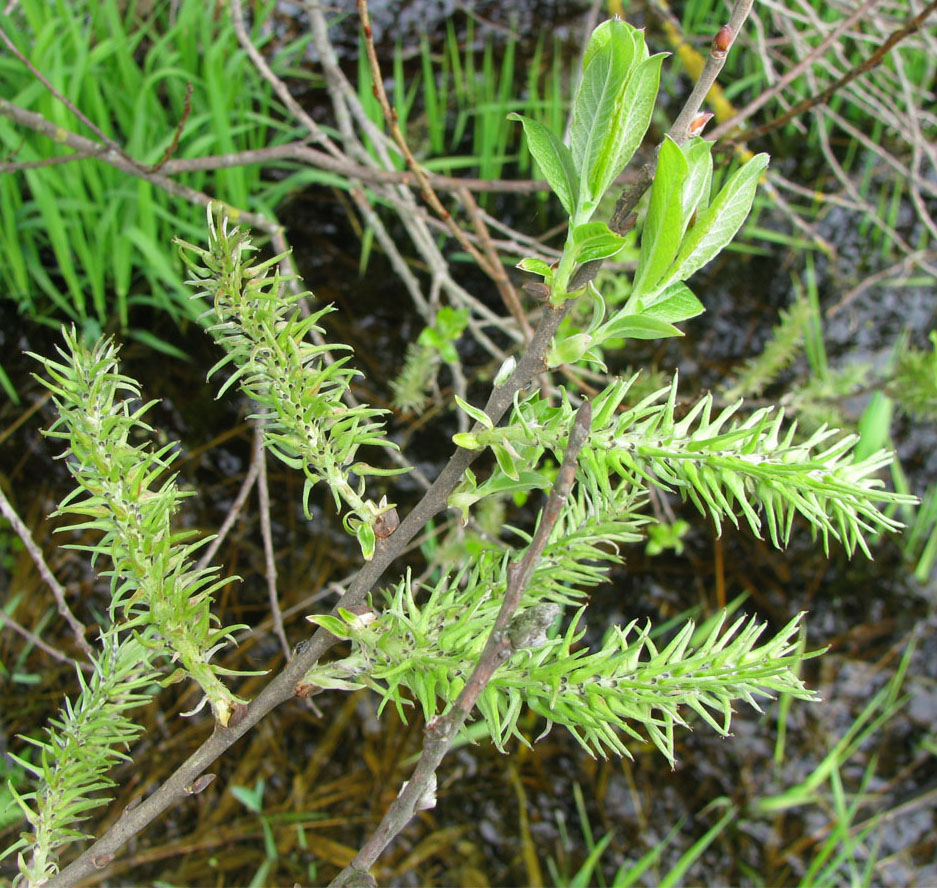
x: 300, y: 385
x: 124, y: 490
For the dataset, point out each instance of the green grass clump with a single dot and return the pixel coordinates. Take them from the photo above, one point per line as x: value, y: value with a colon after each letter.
x: 83, y: 240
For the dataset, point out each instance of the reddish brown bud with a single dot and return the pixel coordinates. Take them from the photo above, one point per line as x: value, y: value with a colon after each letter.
x: 722, y: 41
x: 100, y: 861
x: 386, y: 523
x: 700, y: 121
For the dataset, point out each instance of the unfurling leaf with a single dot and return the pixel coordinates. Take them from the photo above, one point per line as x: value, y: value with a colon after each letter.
x: 595, y: 240
x: 612, y: 108
x: 554, y: 159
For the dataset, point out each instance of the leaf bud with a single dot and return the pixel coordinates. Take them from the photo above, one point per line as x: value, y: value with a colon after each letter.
x: 698, y: 122
x: 507, y: 368
x: 427, y: 798
x: 722, y: 41
x: 305, y: 689
x: 386, y: 523
x: 199, y: 784
x: 238, y: 711
x: 538, y: 290
x: 529, y: 629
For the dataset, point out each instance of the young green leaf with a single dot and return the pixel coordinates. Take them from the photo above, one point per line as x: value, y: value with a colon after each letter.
x: 632, y: 116
x: 718, y: 224
x: 636, y: 326
x: 536, y: 266
x: 675, y: 304
x: 569, y: 350
x: 696, y: 188
x: 595, y: 240
x: 554, y: 159
x: 663, y: 226
x: 609, y: 60
x: 451, y: 322
x: 612, y: 108
x: 603, y: 35
x: 478, y: 415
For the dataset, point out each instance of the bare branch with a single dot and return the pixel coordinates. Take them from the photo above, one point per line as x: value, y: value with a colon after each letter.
x: 680, y: 131
x: 110, y: 143
x: 872, y: 61
x: 263, y: 492
x: 58, y: 592
x: 32, y: 638
x: 118, y: 160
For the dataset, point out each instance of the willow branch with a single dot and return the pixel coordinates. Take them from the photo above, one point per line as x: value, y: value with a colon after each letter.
x: 283, y: 687
x: 499, y: 647
x: 179, y: 786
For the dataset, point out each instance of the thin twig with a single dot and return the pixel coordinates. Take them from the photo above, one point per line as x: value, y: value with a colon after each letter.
x: 303, y: 153
x: 499, y: 647
x: 117, y: 159
x: 263, y: 493
x: 390, y: 116
x: 279, y: 87
x: 497, y: 273
x: 899, y: 34
x: 349, y: 111
x: 794, y: 72
x: 32, y: 638
x: 894, y: 273
x: 177, y: 134
x: 109, y: 142
x: 485, y: 258
x: 58, y: 591
x: 680, y: 131
x: 249, y: 479
x: 56, y: 160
